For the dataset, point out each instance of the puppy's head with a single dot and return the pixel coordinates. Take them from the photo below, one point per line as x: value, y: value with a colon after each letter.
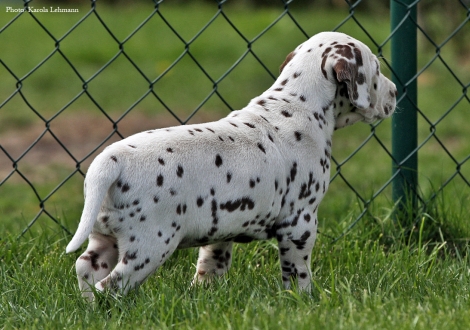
x: 363, y: 93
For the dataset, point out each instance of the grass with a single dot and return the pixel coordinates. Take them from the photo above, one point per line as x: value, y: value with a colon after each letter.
x: 359, y: 283
x: 383, y: 274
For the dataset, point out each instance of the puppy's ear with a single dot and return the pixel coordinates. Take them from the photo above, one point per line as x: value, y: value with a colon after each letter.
x: 350, y: 73
x: 287, y: 60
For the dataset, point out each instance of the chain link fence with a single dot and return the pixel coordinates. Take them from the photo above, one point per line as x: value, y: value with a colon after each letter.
x: 75, y: 79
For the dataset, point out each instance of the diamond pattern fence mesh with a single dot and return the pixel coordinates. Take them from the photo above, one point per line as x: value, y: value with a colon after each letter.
x: 75, y: 79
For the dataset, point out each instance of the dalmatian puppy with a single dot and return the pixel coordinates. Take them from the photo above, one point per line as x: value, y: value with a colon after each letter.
x: 259, y: 173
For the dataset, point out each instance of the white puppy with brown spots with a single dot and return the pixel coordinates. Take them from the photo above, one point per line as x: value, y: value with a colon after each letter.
x: 259, y: 173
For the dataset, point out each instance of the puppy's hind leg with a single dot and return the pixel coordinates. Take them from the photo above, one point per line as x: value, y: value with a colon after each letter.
x: 96, y: 262
x: 136, y: 264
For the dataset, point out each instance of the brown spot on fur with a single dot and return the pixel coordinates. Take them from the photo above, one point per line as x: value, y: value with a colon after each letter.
x: 218, y: 160
x: 358, y: 56
x: 286, y: 61
x: 345, y: 51
x: 323, y: 71
x: 286, y: 114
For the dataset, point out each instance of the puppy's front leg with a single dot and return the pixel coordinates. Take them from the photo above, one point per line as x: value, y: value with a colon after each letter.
x: 295, y: 251
x: 214, y: 259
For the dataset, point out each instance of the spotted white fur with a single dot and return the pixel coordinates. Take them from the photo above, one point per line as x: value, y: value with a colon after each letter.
x: 259, y: 173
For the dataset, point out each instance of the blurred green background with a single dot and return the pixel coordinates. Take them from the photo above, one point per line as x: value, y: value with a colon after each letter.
x: 68, y: 79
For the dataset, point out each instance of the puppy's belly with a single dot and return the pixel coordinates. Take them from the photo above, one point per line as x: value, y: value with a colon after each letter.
x: 256, y: 232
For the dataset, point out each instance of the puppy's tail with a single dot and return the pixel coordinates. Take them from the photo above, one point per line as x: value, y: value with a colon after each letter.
x: 103, y: 172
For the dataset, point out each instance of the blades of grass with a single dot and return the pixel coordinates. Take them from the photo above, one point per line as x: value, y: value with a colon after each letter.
x: 333, y: 282
x: 432, y: 258
x: 420, y: 237
x: 323, y: 293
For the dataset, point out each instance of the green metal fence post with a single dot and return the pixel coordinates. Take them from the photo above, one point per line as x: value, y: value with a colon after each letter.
x: 404, y: 121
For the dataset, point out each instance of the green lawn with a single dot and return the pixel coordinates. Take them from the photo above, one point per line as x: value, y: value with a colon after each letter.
x: 358, y: 284
x: 379, y: 276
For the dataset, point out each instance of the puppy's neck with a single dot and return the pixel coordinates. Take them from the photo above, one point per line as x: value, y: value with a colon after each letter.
x: 299, y: 97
